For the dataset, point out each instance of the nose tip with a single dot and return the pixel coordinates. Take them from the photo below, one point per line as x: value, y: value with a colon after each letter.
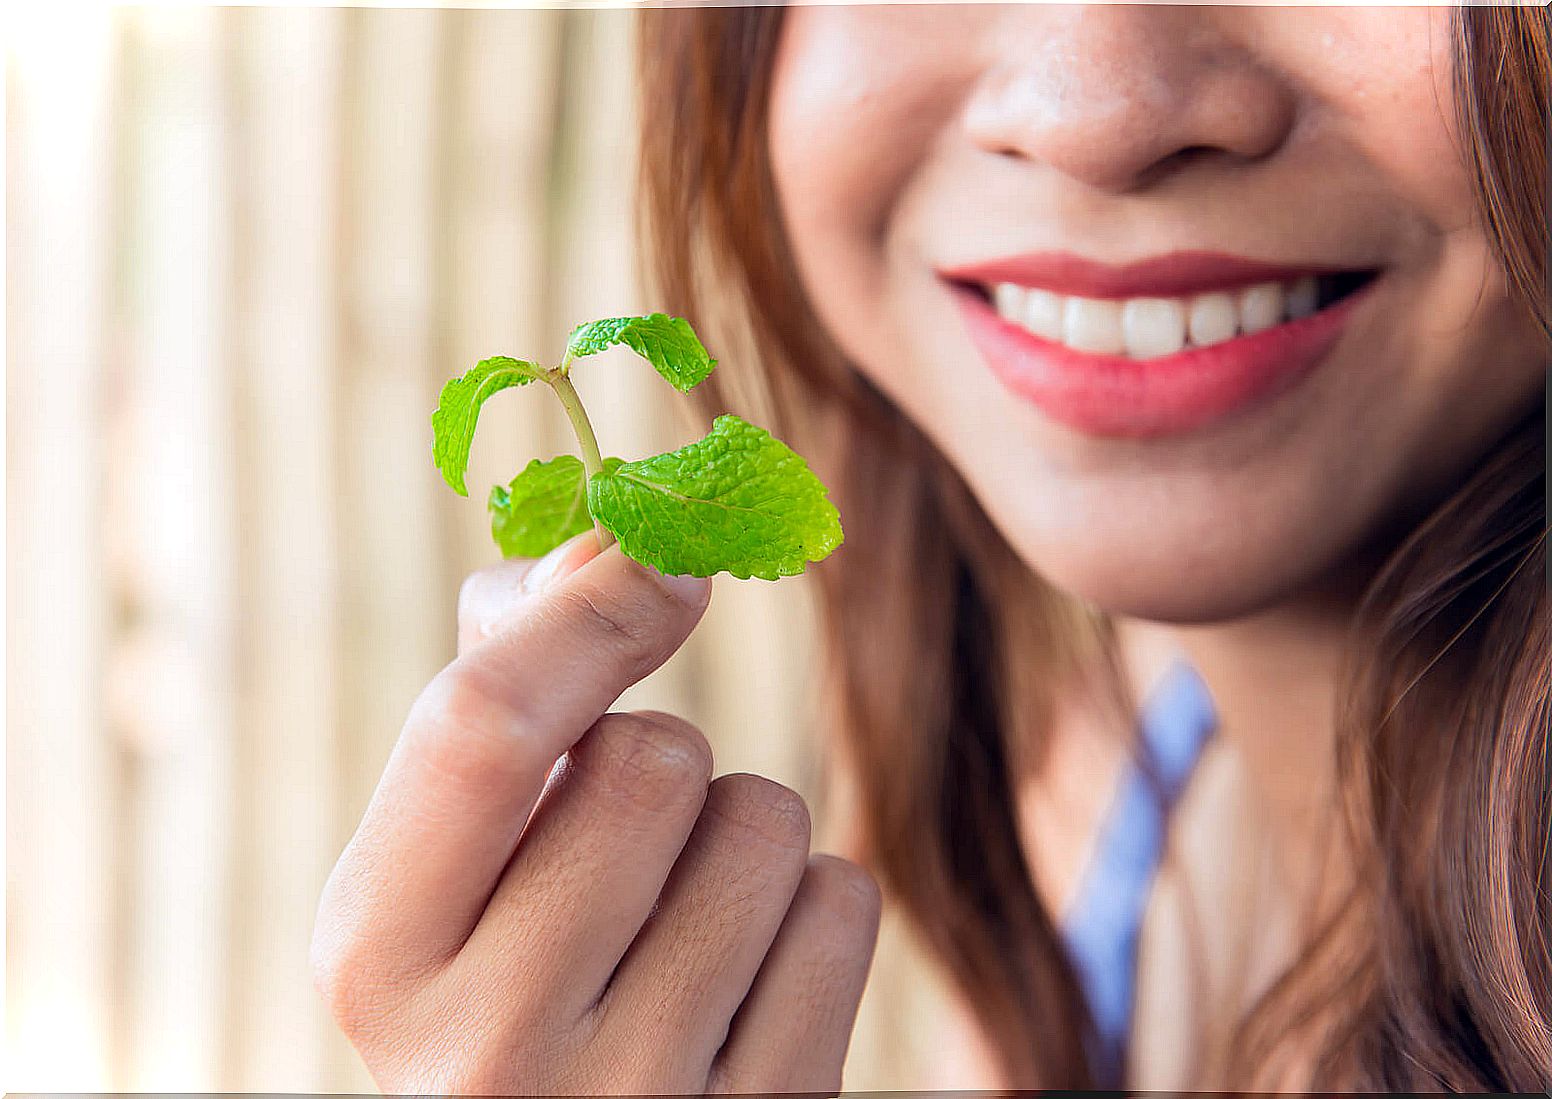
x: 1117, y: 98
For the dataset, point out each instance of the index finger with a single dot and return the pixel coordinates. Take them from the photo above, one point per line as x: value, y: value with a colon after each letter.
x: 478, y: 746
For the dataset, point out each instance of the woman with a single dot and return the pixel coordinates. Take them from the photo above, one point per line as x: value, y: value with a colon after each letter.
x: 1179, y: 372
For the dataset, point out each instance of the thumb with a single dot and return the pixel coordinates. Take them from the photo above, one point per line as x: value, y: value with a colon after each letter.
x: 491, y: 596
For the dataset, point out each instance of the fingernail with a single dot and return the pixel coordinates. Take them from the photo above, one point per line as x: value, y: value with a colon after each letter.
x: 547, y: 570
x: 692, y: 591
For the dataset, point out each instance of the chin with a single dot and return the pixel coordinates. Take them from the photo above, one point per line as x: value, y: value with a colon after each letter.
x: 1175, y: 588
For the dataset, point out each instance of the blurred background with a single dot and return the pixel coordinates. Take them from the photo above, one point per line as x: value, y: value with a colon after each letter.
x: 244, y: 249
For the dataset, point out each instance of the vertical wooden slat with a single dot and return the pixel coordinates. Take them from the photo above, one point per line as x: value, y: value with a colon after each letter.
x: 283, y: 171
x: 498, y: 124
x: 745, y: 675
x: 592, y: 270
x: 170, y: 681
x: 396, y: 631
x: 59, y: 798
x: 442, y: 209
x: 405, y: 192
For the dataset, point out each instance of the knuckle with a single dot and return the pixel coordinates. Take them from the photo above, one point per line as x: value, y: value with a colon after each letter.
x: 844, y: 891
x: 484, y: 1077
x: 469, y: 730
x: 351, y: 972
x: 518, y: 1063
x: 656, y: 759
x: 343, y: 978
x: 331, y: 979
x: 789, y: 1077
x: 628, y: 619
x: 765, y: 809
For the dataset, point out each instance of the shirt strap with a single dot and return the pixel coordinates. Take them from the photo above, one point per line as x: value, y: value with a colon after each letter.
x: 1101, y: 929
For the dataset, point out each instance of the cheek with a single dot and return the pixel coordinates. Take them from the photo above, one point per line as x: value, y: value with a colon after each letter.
x: 1388, y: 74
x: 823, y: 122
x: 854, y: 107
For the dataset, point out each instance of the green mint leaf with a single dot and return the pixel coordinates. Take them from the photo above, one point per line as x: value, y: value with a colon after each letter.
x: 452, y: 424
x: 542, y: 507
x: 738, y: 501
x: 668, y: 343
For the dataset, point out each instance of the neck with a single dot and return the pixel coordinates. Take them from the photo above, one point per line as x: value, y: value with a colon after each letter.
x: 1273, y: 677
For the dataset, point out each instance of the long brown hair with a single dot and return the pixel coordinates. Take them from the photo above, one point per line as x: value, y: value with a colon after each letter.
x: 1435, y: 973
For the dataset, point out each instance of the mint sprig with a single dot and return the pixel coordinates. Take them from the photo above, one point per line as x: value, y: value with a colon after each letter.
x: 542, y: 507
x: 737, y: 501
x: 668, y: 343
x: 452, y: 424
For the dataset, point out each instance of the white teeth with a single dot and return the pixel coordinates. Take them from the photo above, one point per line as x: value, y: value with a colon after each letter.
x: 1009, y: 299
x: 1146, y: 327
x: 1260, y: 307
x: 1043, y: 314
x: 1153, y: 326
x: 1301, y: 297
x: 1092, y: 324
x: 1213, y: 318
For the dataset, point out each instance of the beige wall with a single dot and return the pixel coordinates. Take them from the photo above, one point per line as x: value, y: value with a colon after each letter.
x: 245, y: 247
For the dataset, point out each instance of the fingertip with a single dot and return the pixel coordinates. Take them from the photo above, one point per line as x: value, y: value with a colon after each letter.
x: 490, y: 584
x: 491, y: 595
x: 692, y: 591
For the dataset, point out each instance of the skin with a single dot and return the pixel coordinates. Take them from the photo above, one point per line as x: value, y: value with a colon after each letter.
x: 906, y: 140
x: 487, y: 930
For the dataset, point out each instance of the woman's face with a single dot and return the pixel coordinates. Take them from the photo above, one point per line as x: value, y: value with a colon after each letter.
x: 1197, y: 299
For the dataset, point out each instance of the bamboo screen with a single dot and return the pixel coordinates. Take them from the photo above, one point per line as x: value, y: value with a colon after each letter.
x: 244, y: 248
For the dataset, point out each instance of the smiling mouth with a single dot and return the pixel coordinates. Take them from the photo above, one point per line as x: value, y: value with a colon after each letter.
x: 1150, y: 327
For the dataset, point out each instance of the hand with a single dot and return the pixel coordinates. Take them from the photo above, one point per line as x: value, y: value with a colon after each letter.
x: 626, y: 926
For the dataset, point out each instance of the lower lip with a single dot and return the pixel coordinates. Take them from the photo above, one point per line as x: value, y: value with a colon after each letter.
x: 1114, y: 396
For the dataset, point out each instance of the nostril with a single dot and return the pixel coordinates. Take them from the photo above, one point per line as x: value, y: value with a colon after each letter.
x: 1185, y: 157
x: 1194, y: 152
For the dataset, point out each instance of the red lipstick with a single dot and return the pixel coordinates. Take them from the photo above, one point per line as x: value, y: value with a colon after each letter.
x: 1118, y: 396
x: 1172, y: 275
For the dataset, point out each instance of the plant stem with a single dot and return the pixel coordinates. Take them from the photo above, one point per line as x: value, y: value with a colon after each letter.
x: 592, y: 458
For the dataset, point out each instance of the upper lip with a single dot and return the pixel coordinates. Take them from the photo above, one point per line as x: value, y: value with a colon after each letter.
x: 1173, y: 274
